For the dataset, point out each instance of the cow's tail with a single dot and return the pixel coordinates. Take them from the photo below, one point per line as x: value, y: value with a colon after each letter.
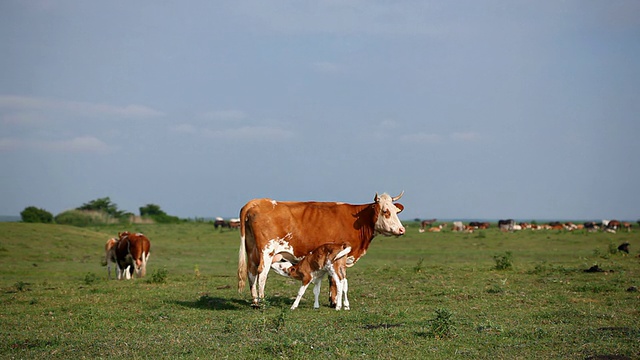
x: 143, y: 268
x: 242, y: 253
x: 346, y: 249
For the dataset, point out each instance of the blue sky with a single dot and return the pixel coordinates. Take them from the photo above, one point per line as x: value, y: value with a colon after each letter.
x: 476, y: 109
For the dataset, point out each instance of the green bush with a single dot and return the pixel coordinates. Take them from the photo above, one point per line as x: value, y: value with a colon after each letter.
x: 503, y: 262
x: 84, y: 218
x: 33, y: 214
x: 158, y: 277
x: 442, y: 325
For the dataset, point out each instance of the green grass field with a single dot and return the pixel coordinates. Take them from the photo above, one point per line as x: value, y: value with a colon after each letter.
x: 422, y: 296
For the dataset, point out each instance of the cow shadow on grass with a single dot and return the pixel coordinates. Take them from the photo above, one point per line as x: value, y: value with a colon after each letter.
x: 207, y: 302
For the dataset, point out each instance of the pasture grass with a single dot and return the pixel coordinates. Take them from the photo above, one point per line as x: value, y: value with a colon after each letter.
x: 425, y: 295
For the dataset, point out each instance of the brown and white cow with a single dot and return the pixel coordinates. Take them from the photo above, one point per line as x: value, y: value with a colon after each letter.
x: 110, y: 254
x: 329, y: 259
x: 132, y: 254
x: 270, y: 230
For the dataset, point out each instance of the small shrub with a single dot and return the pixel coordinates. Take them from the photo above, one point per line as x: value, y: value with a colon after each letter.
x: 418, y: 267
x: 442, y: 325
x: 90, y: 278
x: 503, y: 262
x: 613, y: 249
x: 21, y: 286
x: 158, y: 277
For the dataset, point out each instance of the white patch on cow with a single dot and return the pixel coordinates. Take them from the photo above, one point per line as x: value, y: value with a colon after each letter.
x: 272, y: 255
x: 274, y: 203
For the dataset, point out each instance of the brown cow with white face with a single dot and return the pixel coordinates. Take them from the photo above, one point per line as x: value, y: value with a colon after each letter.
x: 270, y: 230
x: 132, y: 254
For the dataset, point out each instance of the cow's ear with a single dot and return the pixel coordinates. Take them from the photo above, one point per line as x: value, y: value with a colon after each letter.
x: 400, y: 207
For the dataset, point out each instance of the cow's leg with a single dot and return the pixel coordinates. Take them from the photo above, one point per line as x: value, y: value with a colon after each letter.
x: 109, y: 270
x: 145, y: 259
x: 119, y: 272
x: 332, y: 292
x: 345, y: 288
x: 316, y: 292
x: 127, y: 272
x: 339, y: 290
x: 263, y: 271
x: 303, y: 288
x: 262, y: 281
x: 253, y: 285
x: 137, y: 267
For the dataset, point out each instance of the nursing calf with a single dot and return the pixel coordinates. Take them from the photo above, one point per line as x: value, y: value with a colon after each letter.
x: 327, y: 259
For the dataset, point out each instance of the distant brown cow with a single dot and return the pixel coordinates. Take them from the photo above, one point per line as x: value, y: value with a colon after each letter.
x: 110, y: 254
x: 426, y: 224
x: 132, y: 254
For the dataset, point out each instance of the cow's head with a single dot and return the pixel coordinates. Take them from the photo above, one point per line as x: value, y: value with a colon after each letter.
x: 387, y: 221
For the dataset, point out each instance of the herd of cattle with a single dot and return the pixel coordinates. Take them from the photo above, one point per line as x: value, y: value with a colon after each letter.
x: 308, y: 240
x: 510, y: 225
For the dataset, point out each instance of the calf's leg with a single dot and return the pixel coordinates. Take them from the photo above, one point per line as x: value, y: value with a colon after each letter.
x: 303, y: 288
x: 316, y: 292
x: 345, y: 288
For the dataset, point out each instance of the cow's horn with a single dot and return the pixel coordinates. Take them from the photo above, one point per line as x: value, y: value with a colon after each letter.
x: 376, y: 198
x: 398, y: 197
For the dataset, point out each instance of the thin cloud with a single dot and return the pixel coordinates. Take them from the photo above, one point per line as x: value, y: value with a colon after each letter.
x: 24, y: 103
x: 224, y: 115
x: 185, y: 129
x: 465, y: 136
x: 81, y: 144
x: 421, y: 137
x: 257, y: 133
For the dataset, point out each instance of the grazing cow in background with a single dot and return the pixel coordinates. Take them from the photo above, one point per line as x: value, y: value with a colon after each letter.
x: 479, y: 225
x: 627, y: 225
x: 591, y: 226
x: 327, y: 259
x: 435, y: 228
x: 132, y: 254
x: 234, y: 223
x: 270, y: 230
x: 426, y: 223
x: 457, y: 226
x: 220, y: 223
x: 613, y: 225
x: 110, y: 254
x: 506, y: 225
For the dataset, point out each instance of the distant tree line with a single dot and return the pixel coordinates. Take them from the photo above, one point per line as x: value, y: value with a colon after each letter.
x: 96, y: 212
